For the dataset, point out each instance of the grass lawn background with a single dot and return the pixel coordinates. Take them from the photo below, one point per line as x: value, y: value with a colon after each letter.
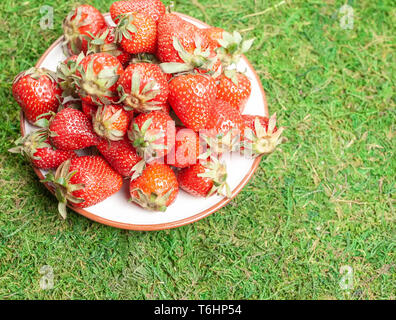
x: 321, y: 202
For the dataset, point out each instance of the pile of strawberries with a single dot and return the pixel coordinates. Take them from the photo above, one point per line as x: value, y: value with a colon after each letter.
x: 156, y: 101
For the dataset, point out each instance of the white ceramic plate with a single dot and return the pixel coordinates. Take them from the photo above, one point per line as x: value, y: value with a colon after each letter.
x: 116, y: 211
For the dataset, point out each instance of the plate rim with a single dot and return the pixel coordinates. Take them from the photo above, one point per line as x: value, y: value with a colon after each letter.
x: 167, y: 225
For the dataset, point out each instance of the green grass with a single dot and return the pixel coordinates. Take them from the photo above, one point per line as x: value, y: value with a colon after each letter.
x: 325, y: 200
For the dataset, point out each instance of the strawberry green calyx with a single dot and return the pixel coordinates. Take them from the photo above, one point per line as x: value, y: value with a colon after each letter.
x: 140, y: 100
x: 217, y: 172
x: 124, y: 27
x: 98, y: 44
x: 103, y: 124
x: 63, y: 187
x: 232, y: 74
x: 42, y: 121
x: 145, y: 142
x: 29, y: 144
x: 222, y: 143
x: 232, y: 47
x: 73, y: 38
x: 97, y: 85
x: 151, y: 201
x: 65, y: 73
x: 137, y: 169
x: 263, y: 141
x: 145, y: 57
x: 199, y: 59
x: 74, y: 104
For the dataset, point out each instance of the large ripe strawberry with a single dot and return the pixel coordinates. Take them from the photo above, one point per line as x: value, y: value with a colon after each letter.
x: 224, y: 128
x: 186, y: 150
x: 35, y: 146
x: 143, y: 87
x: 205, y: 179
x: 79, y: 25
x: 137, y: 33
x: 83, y: 182
x: 96, y: 78
x: 37, y: 92
x: 152, y: 134
x: 122, y: 156
x: 171, y: 26
x: 154, y: 8
x: 65, y: 72
x: 70, y: 129
x: 261, y: 136
x: 105, y: 42
x: 156, y: 188
x: 183, y: 46
x: 111, y: 122
x: 234, y: 88
x: 191, y: 97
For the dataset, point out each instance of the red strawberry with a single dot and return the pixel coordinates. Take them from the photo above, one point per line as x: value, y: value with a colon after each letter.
x: 225, y: 127
x: 156, y: 188
x: 105, y: 42
x: 37, y: 92
x: 137, y: 33
x: 111, y: 122
x: 89, y: 109
x: 65, y: 72
x: 96, y: 78
x: 79, y: 25
x: 171, y: 26
x: 214, y: 34
x: 234, y: 88
x: 143, y: 87
x: 152, y: 134
x: 187, y: 149
x: 35, y: 146
x: 122, y: 156
x: 204, y: 179
x: 261, y: 136
x: 191, y: 97
x: 154, y: 8
x: 83, y: 182
x: 183, y: 46
x: 223, y: 118
x: 70, y: 129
